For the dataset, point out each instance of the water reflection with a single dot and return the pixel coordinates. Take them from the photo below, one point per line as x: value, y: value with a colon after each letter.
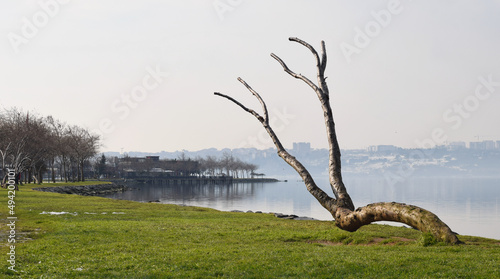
x: 190, y: 193
x: 468, y: 205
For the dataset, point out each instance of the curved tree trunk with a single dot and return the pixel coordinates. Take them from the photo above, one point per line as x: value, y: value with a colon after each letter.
x: 351, y: 220
x: 414, y: 216
x: 341, y: 207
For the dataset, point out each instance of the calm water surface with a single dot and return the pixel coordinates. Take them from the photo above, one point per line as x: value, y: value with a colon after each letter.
x: 470, y: 206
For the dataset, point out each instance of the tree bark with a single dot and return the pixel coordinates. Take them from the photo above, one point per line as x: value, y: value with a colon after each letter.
x: 82, y: 169
x: 414, y: 216
x: 341, y: 207
x: 65, y: 171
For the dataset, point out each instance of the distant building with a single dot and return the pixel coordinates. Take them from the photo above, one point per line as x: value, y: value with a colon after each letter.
x: 483, y: 145
x: 456, y: 145
x: 382, y: 148
x: 130, y: 160
x: 490, y: 145
x: 476, y: 145
x: 301, y: 147
x: 153, y: 158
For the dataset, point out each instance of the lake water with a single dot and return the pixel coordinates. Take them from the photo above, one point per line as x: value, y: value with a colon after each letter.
x: 470, y: 206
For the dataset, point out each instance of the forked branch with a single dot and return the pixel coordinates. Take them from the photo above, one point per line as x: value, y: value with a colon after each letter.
x: 322, y: 92
x: 326, y: 201
x: 293, y: 74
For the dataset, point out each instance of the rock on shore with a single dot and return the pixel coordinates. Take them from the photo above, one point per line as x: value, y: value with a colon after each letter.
x: 86, y: 190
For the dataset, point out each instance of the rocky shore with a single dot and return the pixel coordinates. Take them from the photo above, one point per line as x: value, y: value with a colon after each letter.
x: 87, y: 190
x: 280, y: 215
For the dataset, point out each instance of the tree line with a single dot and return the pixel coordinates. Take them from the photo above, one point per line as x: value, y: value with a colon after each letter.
x: 228, y: 165
x: 33, y: 145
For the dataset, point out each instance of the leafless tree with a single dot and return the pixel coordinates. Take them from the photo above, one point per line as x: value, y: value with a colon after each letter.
x: 209, y: 165
x: 341, y: 206
x: 231, y: 165
x: 17, y: 142
x: 59, y: 153
x: 250, y: 168
x: 32, y: 144
x: 83, y: 146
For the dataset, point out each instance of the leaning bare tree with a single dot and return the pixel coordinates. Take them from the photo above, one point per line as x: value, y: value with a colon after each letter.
x: 341, y: 206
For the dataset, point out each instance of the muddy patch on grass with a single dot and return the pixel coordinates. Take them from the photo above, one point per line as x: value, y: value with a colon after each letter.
x: 21, y: 237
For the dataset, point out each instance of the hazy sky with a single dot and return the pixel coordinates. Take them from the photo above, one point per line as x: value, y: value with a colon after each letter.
x: 143, y: 73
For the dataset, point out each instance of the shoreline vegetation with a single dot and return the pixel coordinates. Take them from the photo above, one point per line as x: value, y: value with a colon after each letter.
x: 70, y: 236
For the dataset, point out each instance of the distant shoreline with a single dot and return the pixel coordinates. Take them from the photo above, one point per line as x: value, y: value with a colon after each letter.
x: 255, y: 180
x: 194, y: 180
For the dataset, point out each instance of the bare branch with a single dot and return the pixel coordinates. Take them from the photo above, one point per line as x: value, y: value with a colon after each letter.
x: 323, y: 56
x: 297, y: 76
x: 321, y: 71
x: 251, y: 111
x: 322, y: 92
x: 326, y: 201
x: 314, y: 52
x: 320, y: 63
x: 264, y: 107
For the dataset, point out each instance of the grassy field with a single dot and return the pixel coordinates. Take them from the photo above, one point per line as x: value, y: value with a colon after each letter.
x: 104, y: 238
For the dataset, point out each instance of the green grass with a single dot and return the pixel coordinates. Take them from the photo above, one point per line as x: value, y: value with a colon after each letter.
x: 169, y: 241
